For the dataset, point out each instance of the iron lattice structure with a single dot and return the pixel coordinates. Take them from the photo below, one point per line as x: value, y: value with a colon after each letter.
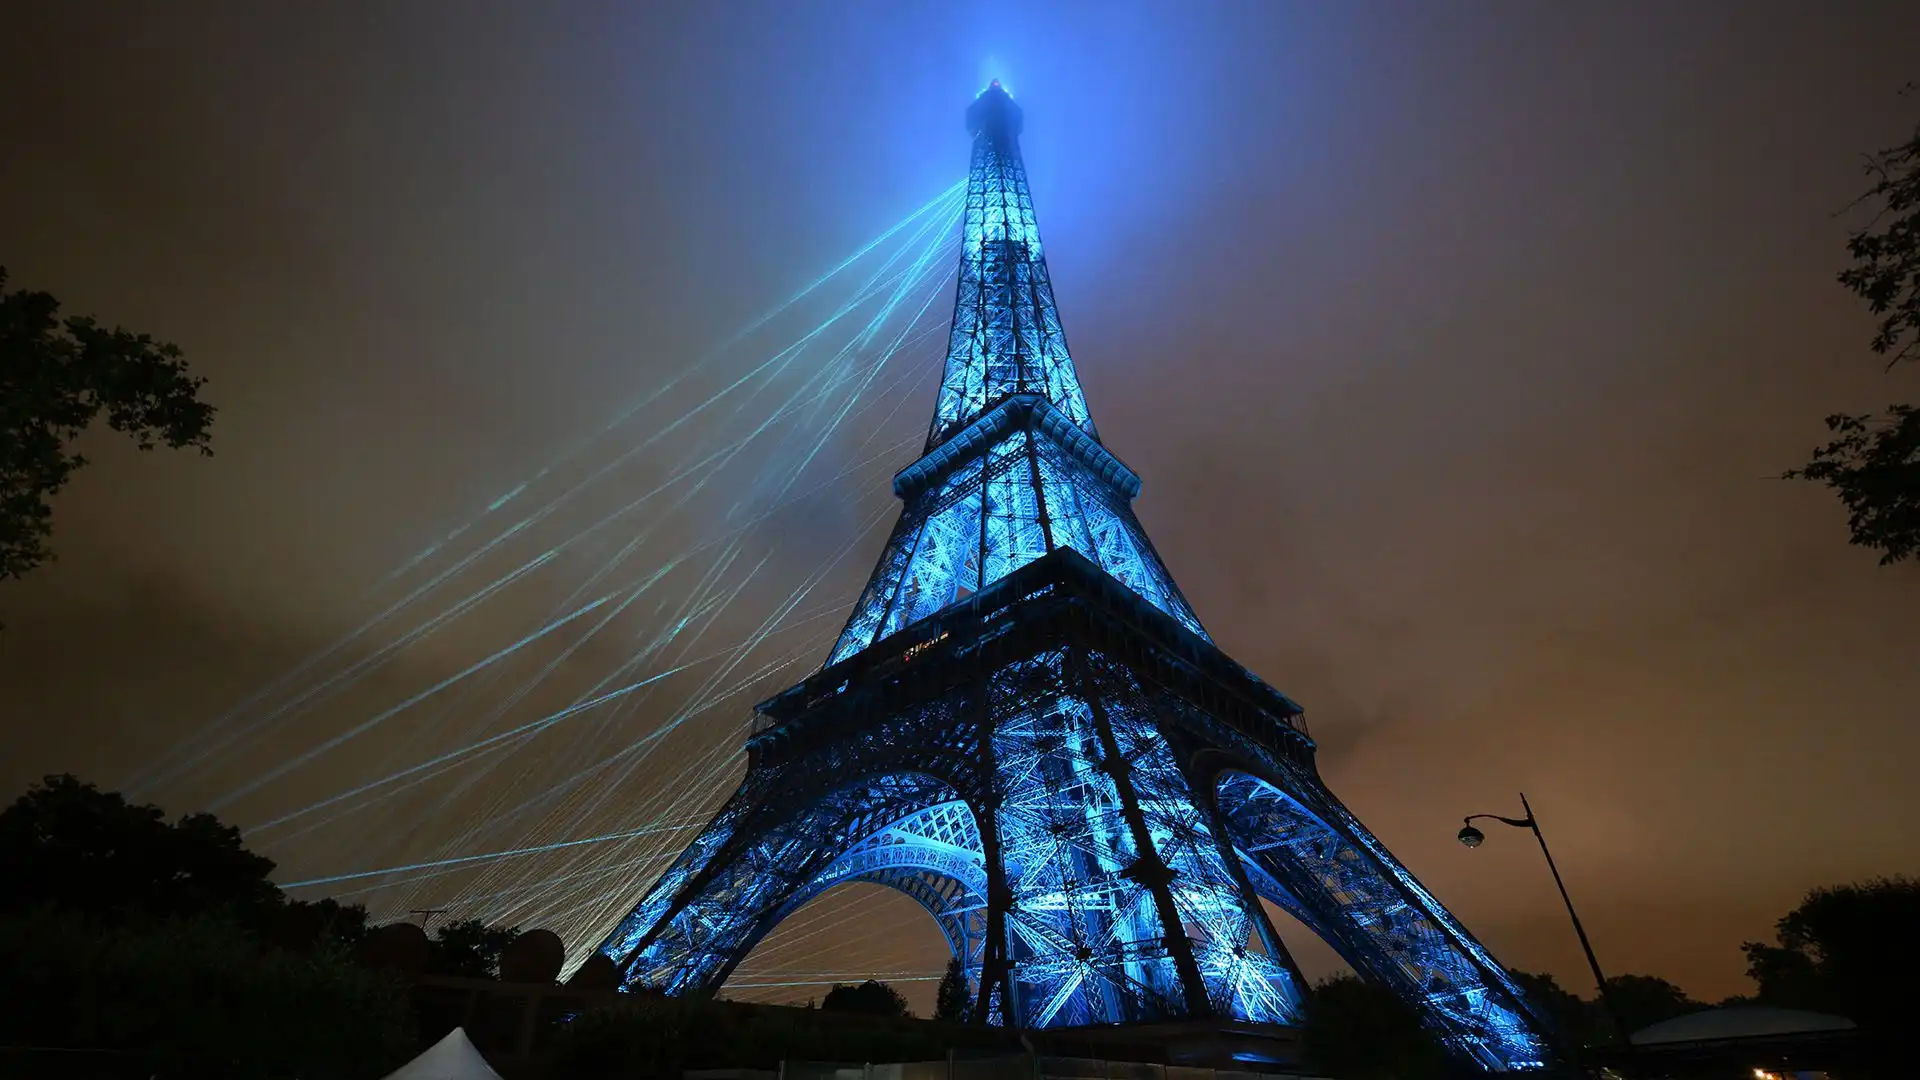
x: 1025, y: 728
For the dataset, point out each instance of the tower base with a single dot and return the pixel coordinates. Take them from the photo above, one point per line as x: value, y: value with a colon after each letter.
x: 1091, y: 801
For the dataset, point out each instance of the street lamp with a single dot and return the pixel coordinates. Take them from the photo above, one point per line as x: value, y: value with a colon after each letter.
x: 1473, y: 838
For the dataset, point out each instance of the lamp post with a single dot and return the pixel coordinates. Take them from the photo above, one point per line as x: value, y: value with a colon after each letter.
x: 1473, y: 837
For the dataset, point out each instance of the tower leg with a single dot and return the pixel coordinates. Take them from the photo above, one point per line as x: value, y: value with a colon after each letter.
x: 994, y: 1001
x: 1149, y: 868
x: 1308, y: 853
x: 1122, y: 908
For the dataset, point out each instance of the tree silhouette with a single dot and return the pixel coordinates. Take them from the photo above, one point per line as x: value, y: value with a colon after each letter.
x: 1362, y: 1031
x: 1639, y: 999
x: 954, y: 1000
x: 56, y: 377
x: 1851, y: 950
x: 303, y: 926
x: 468, y: 948
x: 656, y: 1035
x: 1873, y: 463
x: 1571, y: 1017
x: 166, y: 942
x: 68, y: 846
x: 872, y: 998
x: 1642, y: 1000
x: 72, y: 846
x: 192, y: 996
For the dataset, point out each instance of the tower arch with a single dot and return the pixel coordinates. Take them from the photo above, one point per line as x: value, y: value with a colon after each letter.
x: 768, y: 854
x: 935, y: 858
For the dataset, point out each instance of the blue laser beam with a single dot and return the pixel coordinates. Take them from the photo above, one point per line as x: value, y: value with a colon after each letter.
x: 146, y: 777
x: 486, y: 856
x: 386, y: 714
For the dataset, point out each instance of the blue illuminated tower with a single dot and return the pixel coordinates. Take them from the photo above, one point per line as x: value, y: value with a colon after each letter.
x: 1025, y: 728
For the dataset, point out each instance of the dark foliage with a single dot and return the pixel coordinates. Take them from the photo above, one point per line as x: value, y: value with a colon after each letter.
x: 1640, y: 1000
x: 870, y: 998
x: 660, y: 1036
x: 1886, y: 253
x: 1570, y: 1017
x: 647, y: 1038
x: 1361, y: 1031
x: 1851, y: 950
x: 303, y: 926
x: 1644, y: 1000
x: 1873, y: 463
x: 1358, y: 1030
x: 196, y: 996
x: 165, y: 944
x: 468, y: 948
x: 57, y: 376
x: 72, y: 846
x: 953, y: 1002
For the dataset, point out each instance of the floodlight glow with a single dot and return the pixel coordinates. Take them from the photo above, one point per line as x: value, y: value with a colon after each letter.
x: 1032, y: 787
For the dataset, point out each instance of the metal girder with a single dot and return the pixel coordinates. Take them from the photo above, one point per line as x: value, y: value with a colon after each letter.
x: 1006, y: 337
x: 1011, y: 501
x: 1113, y: 899
x: 1019, y: 486
x: 1323, y: 866
x: 766, y: 853
x: 1049, y: 787
x: 1025, y: 728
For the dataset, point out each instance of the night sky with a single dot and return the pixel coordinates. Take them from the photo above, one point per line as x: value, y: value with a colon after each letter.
x: 1457, y: 345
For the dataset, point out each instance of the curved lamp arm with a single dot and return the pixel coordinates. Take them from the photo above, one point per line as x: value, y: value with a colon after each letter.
x: 1518, y: 823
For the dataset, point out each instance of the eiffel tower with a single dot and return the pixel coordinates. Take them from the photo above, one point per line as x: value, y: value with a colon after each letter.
x: 1025, y: 728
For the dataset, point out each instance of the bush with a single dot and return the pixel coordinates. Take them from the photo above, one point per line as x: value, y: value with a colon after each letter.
x: 1364, y: 1031
x: 660, y: 1036
x: 197, y: 996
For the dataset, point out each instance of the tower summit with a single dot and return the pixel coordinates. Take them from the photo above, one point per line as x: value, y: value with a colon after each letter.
x: 994, y: 113
x: 1014, y: 467
x: 1024, y: 728
x: 1006, y: 336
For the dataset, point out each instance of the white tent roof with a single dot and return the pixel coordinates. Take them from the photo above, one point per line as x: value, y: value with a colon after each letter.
x: 1738, y: 1022
x: 452, y: 1058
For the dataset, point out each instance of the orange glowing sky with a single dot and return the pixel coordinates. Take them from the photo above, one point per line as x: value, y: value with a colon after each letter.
x: 1456, y: 345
